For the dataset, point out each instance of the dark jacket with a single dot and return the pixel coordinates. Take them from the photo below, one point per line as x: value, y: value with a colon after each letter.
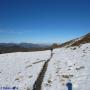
x: 51, y: 49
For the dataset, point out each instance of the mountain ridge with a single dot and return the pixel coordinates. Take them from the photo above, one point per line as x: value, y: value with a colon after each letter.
x: 78, y: 41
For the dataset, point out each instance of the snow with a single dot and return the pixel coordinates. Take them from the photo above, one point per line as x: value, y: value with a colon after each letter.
x: 21, y: 69
x: 64, y: 63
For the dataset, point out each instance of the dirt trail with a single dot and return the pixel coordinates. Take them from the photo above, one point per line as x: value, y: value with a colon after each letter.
x: 38, y: 82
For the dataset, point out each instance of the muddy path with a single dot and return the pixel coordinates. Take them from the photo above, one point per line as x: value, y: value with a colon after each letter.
x: 38, y: 83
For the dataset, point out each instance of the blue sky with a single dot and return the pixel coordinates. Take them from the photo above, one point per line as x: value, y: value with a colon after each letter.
x: 43, y: 21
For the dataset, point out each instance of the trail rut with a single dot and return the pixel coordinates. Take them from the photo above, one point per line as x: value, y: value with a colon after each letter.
x: 38, y: 82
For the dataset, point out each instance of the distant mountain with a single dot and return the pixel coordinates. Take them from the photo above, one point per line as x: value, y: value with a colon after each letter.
x: 24, y: 45
x: 21, y: 47
x: 7, y: 44
x: 78, y: 41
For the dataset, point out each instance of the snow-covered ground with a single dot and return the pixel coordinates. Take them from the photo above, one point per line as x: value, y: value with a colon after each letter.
x: 22, y: 69
x: 68, y: 64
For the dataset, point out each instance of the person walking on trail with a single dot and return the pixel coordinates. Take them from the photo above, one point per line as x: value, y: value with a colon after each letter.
x: 51, y: 51
x: 69, y: 85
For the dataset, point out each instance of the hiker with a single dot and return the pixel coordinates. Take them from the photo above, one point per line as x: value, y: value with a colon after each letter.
x: 69, y: 85
x: 51, y: 51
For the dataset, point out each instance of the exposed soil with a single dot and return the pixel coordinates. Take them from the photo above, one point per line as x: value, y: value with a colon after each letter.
x: 38, y: 82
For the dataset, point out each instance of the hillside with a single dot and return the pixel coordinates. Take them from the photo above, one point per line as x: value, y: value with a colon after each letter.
x: 78, y: 41
x: 22, y: 69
